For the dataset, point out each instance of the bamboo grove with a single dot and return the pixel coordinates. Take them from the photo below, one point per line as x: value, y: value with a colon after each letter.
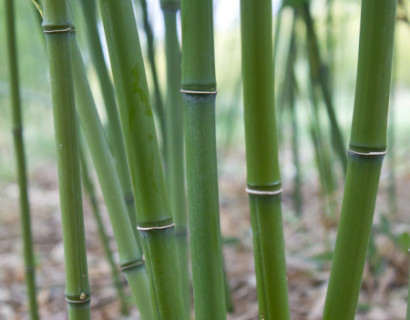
x: 154, y: 145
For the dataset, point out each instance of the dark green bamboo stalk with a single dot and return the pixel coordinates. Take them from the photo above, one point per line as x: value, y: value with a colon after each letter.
x: 199, y: 93
x: 114, y: 132
x: 58, y: 31
x: 175, y: 172
x: 264, y: 184
x: 158, y: 104
x: 130, y: 256
x: 25, y: 219
x: 154, y: 217
x: 319, y: 77
x: 367, y: 149
x: 89, y: 189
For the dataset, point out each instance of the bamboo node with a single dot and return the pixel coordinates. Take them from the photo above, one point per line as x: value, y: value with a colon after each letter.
x: 17, y: 131
x: 198, y: 92
x: 155, y: 227
x: 132, y: 265
x: 368, y: 154
x: 58, y: 29
x: 264, y: 192
x: 83, y: 298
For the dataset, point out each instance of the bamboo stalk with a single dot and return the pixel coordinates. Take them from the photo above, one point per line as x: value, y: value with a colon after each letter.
x: 90, y: 191
x: 25, y: 219
x: 58, y: 31
x: 199, y: 93
x: 367, y: 148
x: 158, y: 103
x: 114, y: 132
x: 154, y: 217
x: 263, y: 180
x: 130, y: 256
x: 318, y: 70
x: 175, y: 172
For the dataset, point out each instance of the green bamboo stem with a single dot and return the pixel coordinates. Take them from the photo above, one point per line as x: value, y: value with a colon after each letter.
x: 154, y: 217
x: 297, y: 180
x: 391, y: 137
x: 158, y: 103
x: 114, y: 132
x: 58, y: 31
x: 90, y: 191
x: 263, y: 180
x: 175, y: 173
x: 319, y: 75
x: 29, y: 263
x: 367, y: 147
x: 129, y: 254
x: 199, y: 93
x: 323, y: 156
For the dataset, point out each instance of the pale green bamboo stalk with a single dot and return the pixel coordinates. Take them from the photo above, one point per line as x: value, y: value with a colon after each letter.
x: 154, y: 217
x: 25, y: 219
x: 158, y: 103
x: 199, y: 93
x: 264, y: 185
x: 58, y: 31
x: 367, y: 149
x: 114, y: 132
x: 175, y: 172
x: 90, y: 191
x: 130, y: 256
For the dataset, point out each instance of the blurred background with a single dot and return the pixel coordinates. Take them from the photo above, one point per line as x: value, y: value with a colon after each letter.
x: 313, y: 177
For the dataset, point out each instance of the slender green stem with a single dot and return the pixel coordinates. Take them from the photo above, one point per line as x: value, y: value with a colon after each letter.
x: 367, y: 147
x: 28, y: 254
x: 158, y: 104
x: 114, y: 132
x: 58, y: 30
x: 319, y: 77
x: 90, y: 191
x: 175, y: 172
x: 130, y: 256
x: 263, y: 176
x: 199, y: 92
x: 154, y: 217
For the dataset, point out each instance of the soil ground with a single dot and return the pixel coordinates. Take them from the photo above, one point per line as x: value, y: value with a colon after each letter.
x: 309, y: 240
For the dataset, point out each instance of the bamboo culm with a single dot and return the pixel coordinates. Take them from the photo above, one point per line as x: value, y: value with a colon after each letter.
x: 158, y: 103
x: 90, y: 192
x: 175, y: 172
x: 264, y: 184
x: 58, y: 31
x: 29, y: 263
x: 367, y: 148
x: 114, y: 132
x: 199, y: 93
x: 129, y: 254
x: 318, y: 70
x: 154, y: 216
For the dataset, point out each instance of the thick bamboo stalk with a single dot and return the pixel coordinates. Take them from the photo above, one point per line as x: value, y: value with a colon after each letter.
x: 130, y: 256
x: 154, y: 217
x: 90, y: 191
x: 199, y: 92
x: 18, y: 138
x: 263, y: 175
x: 367, y: 149
x: 175, y: 172
x: 58, y: 31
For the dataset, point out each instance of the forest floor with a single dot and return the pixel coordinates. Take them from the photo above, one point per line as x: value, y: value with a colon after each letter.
x: 309, y: 240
